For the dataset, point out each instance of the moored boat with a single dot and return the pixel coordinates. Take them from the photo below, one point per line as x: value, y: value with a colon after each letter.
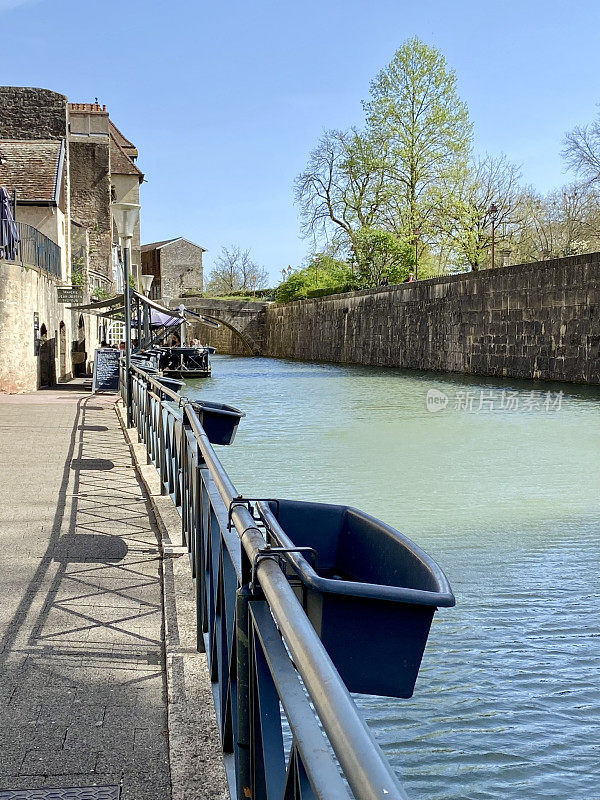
x: 185, y: 362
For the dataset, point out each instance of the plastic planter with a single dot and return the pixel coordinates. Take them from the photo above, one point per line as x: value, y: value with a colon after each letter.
x: 371, y: 594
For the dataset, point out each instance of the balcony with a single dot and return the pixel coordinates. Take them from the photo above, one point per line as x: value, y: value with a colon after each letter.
x: 37, y: 250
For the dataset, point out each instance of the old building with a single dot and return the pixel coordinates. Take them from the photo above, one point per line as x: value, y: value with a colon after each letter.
x: 63, y: 164
x: 176, y: 265
x: 36, y: 172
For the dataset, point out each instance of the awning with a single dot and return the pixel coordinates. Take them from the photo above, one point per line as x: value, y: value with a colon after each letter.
x: 116, y: 306
x: 158, y: 319
x: 161, y: 317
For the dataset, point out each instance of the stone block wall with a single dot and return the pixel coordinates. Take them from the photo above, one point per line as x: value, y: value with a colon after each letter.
x: 29, y: 113
x: 24, y: 291
x: 224, y: 339
x: 90, y: 199
x: 180, y: 268
x: 528, y: 321
x: 242, y: 322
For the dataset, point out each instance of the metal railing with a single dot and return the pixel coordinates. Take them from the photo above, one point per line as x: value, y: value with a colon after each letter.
x: 38, y: 250
x: 265, y: 658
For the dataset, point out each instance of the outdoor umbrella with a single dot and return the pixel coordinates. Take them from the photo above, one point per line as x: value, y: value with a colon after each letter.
x: 9, y: 233
x: 159, y: 319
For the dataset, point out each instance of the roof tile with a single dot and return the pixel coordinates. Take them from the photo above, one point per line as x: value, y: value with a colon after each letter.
x: 30, y: 167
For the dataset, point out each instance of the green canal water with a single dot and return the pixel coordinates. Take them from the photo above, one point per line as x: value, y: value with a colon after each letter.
x: 501, y: 486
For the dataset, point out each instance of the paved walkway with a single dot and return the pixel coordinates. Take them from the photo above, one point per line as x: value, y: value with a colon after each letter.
x: 82, y: 680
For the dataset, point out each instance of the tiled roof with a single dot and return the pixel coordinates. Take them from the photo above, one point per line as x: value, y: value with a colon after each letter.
x: 120, y: 163
x: 157, y: 245
x: 32, y: 168
x: 125, y: 143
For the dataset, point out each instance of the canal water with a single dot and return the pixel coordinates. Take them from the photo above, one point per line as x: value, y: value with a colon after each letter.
x: 499, y: 481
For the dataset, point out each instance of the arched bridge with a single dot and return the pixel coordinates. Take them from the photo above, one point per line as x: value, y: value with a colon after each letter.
x: 243, y: 317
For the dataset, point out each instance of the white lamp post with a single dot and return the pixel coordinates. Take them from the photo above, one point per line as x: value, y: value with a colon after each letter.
x: 146, y: 284
x: 126, y: 216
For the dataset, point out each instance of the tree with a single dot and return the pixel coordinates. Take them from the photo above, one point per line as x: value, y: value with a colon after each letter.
x: 382, y: 254
x: 343, y: 187
x: 415, y: 108
x: 324, y: 274
x: 581, y: 150
x: 235, y: 271
x: 464, y: 203
x: 565, y: 223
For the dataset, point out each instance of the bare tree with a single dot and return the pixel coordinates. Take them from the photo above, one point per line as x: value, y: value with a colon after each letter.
x: 465, y: 203
x: 581, y: 150
x: 235, y: 271
x: 565, y: 223
x: 343, y: 188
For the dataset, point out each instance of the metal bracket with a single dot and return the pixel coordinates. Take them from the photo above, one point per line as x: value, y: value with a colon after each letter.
x: 276, y: 554
x: 246, y: 502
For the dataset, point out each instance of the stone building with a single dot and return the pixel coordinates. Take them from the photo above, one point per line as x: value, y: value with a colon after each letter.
x: 102, y: 170
x: 63, y: 163
x: 36, y: 170
x: 176, y: 265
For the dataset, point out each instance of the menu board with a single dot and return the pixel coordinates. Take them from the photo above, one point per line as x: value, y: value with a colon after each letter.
x: 106, y: 370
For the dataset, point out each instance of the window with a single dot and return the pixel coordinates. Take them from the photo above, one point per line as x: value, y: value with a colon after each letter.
x: 115, y: 333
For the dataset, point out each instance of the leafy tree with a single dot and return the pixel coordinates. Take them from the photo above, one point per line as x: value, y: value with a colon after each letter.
x: 382, y: 254
x: 322, y: 273
x: 383, y: 178
x: 235, y: 271
x: 416, y: 109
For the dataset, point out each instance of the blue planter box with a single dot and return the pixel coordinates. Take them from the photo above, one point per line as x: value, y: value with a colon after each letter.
x: 371, y: 595
x: 220, y: 422
x: 173, y: 384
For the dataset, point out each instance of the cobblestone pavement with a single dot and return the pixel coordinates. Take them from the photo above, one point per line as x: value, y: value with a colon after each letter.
x: 82, y: 680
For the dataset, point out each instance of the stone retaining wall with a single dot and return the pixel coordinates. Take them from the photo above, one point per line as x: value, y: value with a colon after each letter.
x: 537, y: 320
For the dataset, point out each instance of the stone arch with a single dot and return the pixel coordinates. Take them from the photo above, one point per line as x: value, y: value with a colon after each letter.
x: 46, y: 376
x: 79, y: 354
x: 251, y: 345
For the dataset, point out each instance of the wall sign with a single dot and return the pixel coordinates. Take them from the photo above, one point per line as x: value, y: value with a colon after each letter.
x: 69, y: 294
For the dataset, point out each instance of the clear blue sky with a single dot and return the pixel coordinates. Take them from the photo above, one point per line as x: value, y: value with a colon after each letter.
x: 226, y: 99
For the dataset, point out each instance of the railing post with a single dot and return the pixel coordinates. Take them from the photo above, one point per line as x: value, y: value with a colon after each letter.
x: 242, y: 750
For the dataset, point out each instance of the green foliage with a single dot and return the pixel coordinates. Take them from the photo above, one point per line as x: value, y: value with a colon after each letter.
x: 465, y: 200
x: 385, y: 177
x: 407, y: 178
x: 77, y: 278
x: 100, y: 293
x: 381, y: 254
x: 416, y: 108
x: 324, y: 274
x: 132, y: 283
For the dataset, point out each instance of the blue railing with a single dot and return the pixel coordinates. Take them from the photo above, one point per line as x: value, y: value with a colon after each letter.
x: 38, y: 250
x: 266, y: 660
